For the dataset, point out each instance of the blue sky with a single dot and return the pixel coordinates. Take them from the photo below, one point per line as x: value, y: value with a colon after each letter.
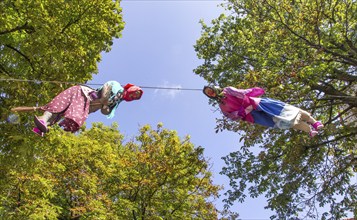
x: 156, y: 49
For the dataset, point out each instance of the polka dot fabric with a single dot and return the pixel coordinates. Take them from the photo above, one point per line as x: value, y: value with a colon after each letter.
x: 71, y: 104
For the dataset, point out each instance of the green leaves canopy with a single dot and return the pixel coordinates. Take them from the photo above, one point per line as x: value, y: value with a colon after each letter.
x: 94, y: 175
x: 52, y: 40
x: 304, y: 53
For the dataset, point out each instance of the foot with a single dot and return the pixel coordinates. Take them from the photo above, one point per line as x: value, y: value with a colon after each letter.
x: 317, y: 125
x: 41, y: 124
x: 38, y: 132
x: 313, y: 133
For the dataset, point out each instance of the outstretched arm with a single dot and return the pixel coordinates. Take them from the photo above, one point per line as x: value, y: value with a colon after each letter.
x: 236, y: 115
x: 240, y: 93
x: 255, y: 92
x: 106, y: 93
x: 108, y: 108
x: 232, y: 115
x: 103, y: 102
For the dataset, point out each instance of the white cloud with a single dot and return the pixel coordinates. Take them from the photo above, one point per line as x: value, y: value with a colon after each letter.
x: 168, y: 90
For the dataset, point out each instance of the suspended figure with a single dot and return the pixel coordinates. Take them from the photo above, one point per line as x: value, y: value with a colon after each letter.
x: 71, y: 107
x: 245, y: 104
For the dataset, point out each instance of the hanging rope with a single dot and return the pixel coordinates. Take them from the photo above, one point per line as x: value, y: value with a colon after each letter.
x: 92, y: 84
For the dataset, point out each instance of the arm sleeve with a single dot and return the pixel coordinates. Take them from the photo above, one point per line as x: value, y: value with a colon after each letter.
x: 255, y: 92
x: 105, y: 94
x: 232, y: 115
x: 236, y: 115
x: 240, y: 93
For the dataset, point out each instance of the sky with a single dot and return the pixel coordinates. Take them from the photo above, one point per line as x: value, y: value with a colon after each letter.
x: 156, y: 50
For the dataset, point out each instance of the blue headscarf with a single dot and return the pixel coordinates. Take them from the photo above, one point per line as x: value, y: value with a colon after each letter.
x: 116, y: 88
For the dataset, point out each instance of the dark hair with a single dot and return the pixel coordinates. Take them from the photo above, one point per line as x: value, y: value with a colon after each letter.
x: 217, y: 91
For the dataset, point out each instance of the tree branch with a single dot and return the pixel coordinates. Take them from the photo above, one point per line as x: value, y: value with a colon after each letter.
x: 341, y: 75
x: 26, y: 27
x: 339, y: 115
x: 3, y: 70
x: 23, y: 55
x: 344, y: 58
x: 332, y: 92
x: 331, y: 141
x: 75, y: 20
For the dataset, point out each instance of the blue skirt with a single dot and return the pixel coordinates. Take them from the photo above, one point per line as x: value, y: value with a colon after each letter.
x: 276, y: 114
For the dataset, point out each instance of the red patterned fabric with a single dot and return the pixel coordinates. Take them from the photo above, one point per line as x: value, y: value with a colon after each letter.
x: 71, y: 104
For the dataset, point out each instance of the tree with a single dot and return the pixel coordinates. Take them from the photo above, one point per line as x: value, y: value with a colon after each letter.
x: 168, y: 178
x: 52, y: 40
x: 94, y: 175
x: 304, y: 53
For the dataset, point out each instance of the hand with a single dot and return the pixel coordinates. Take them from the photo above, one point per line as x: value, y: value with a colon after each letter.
x: 118, y: 97
x: 93, y: 95
x: 105, y: 110
x: 248, y: 109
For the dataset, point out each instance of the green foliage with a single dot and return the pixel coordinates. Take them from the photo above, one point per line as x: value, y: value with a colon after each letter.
x: 170, y: 178
x: 94, y: 175
x: 52, y: 40
x: 47, y: 40
x: 304, y: 53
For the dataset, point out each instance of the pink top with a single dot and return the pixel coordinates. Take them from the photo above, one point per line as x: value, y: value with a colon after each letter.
x: 238, y: 103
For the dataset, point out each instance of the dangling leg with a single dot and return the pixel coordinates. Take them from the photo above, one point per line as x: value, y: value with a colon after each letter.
x: 42, y: 121
x: 38, y: 131
x: 303, y: 126
x: 305, y: 116
x: 55, y: 117
x: 304, y: 123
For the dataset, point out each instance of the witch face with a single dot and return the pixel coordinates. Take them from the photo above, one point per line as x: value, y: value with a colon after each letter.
x: 136, y: 95
x: 132, y: 92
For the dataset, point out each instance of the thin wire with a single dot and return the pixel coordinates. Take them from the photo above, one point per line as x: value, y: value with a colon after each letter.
x: 93, y: 84
x: 172, y: 0
x: 169, y: 88
x: 41, y: 81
